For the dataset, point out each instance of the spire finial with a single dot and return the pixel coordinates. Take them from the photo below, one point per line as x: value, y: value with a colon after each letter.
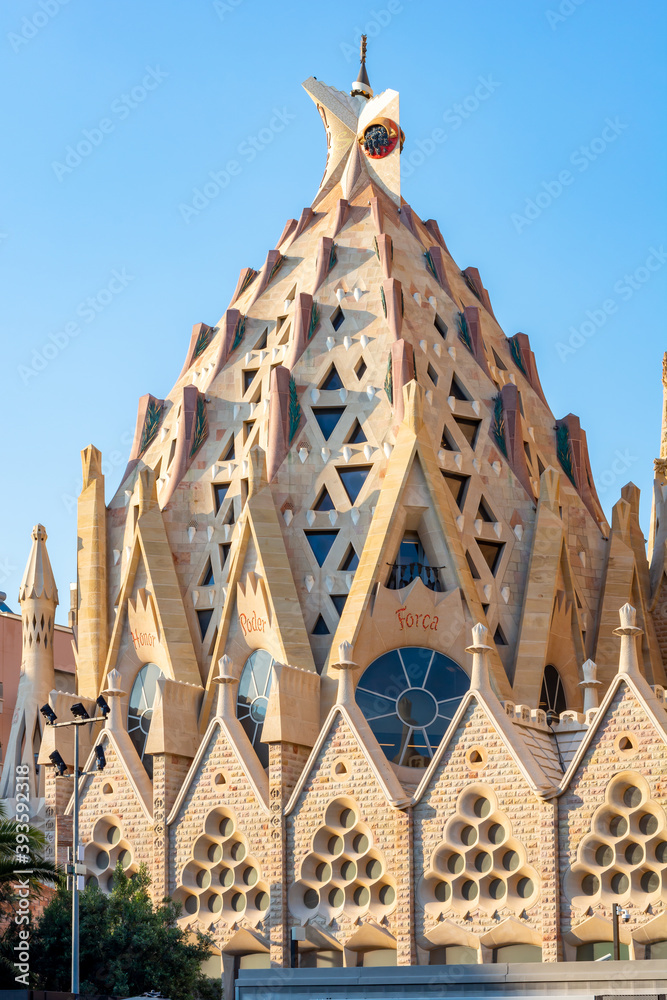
x: 361, y: 86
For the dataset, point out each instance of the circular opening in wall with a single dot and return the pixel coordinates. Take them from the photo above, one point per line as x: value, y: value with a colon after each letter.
x: 618, y: 826
x: 476, y: 758
x: 442, y: 891
x: 619, y: 883
x: 482, y: 807
x: 226, y: 877
x: 226, y: 827
x: 341, y: 770
x: 496, y: 888
x: 626, y: 744
x: 336, y: 897
x: 360, y: 844
x: 91, y: 880
x: 661, y: 852
x: 348, y: 870
x: 469, y: 889
x: 632, y: 796
x: 250, y: 875
x: 347, y: 819
x: 482, y: 861
x: 455, y: 863
x: 125, y: 859
x: 262, y: 901
x: 510, y: 861
x: 190, y: 905
x: 237, y: 851
x: 650, y: 881
x: 214, y: 853
x: 323, y: 872
x: 238, y: 902
x: 590, y: 885
x: 220, y: 778
x: 604, y: 856
x: 468, y: 835
x: 387, y: 895
x: 335, y: 845
x: 214, y: 902
x: 634, y: 855
x: 113, y: 834
x: 525, y: 887
x: 496, y: 833
x: 648, y: 824
x: 102, y: 860
x: 203, y: 878
x: 361, y: 895
x: 311, y: 899
x: 107, y: 789
x: 373, y: 868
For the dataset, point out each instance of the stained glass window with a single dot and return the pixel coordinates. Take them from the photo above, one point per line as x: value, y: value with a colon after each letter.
x: 140, y: 712
x: 252, y: 699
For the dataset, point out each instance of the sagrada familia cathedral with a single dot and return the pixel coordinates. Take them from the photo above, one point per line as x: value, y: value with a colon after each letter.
x: 380, y: 671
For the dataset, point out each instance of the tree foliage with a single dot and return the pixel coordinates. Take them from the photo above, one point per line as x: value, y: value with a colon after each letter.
x: 128, y: 944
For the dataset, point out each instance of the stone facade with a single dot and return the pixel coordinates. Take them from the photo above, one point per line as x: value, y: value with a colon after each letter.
x: 354, y: 467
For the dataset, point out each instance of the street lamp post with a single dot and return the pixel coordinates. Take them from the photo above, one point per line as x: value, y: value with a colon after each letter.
x: 74, y: 868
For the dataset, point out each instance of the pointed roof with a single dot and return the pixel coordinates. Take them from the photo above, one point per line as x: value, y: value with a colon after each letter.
x: 362, y: 85
x: 38, y: 580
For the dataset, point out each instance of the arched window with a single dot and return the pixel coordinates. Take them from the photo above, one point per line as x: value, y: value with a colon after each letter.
x: 409, y: 697
x: 552, y: 695
x: 140, y: 712
x: 252, y: 699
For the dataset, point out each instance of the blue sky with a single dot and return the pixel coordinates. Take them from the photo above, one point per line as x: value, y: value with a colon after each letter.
x: 550, y: 181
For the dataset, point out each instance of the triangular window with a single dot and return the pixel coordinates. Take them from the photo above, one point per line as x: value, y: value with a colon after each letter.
x: 458, y: 486
x: 447, y: 442
x: 339, y: 602
x: 337, y: 318
x: 440, y: 326
x: 469, y: 428
x: 350, y: 560
x: 356, y: 435
x: 498, y: 361
x: 204, y: 618
x: 248, y: 379
x: 220, y: 492
x: 324, y: 501
x: 332, y: 380
x: 207, y: 579
x: 327, y: 417
x: 492, y: 552
x: 457, y: 391
x: 353, y: 480
x: 321, y: 543
x: 229, y: 454
x: 499, y: 637
x: 412, y: 562
x: 320, y: 627
x: 483, y: 512
x: 471, y: 566
x: 261, y: 343
x: 224, y: 553
x: 172, y: 452
x: 432, y: 374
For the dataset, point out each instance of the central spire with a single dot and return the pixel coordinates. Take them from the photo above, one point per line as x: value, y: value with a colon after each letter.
x: 361, y: 86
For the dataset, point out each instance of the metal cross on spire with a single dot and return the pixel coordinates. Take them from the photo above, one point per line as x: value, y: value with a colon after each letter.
x: 361, y: 86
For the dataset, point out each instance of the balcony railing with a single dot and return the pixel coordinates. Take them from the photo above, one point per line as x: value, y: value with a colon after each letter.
x: 402, y: 575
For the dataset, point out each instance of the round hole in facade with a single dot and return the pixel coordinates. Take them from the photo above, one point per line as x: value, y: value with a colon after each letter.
x: 590, y: 885
x: 226, y: 877
x: 387, y: 895
x: 648, y: 824
x: 634, y: 855
x: 373, y: 868
x: 525, y: 887
x: 311, y: 899
x: 632, y: 796
x: 618, y: 826
x: 336, y: 897
x: 468, y: 835
x: 469, y: 889
x: 604, y: 856
x: 360, y: 843
x: 361, y: 895
x: 113, y: 834
x: 619, y: 883
x: 335, y: 845
x: 262, y: 900
x: 496, y: 833
x: 191, y: 904
x: 650, y: 881
x: 409, y: 697
x: 347, y: 819
x: 442, y: 891
x: 323, y: 872
x: 497, y: 888
x: 510, y: 861
x: 482, y: 808
x: 455, y: 863
x: 214, y: 853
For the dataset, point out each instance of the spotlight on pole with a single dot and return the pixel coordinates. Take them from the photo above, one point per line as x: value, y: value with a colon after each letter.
x: 48, y: 714
x: 58, y: 762
x: 101, y: 759
x: 79, y: 712
x: 103, y: 706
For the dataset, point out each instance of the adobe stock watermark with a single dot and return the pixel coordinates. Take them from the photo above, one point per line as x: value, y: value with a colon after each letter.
x: 565, y: 9
x: 22, y: 873
x: 248, y: 150
x: 454, y: 117
x: 86, y: 311
x: 32, y: 25
x: 581, y: 158
x: 617, y: 469
x: 225, y: 7
x: 379, y: 19
x: 110, y: 464
x: 625, y: 288
x: 121, y: 108
x: 6, y: 569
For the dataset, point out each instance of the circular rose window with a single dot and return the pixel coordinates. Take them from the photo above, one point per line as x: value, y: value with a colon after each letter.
x: 409, y: 697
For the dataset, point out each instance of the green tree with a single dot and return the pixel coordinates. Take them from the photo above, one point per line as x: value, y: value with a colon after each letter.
x: 129, y: 944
